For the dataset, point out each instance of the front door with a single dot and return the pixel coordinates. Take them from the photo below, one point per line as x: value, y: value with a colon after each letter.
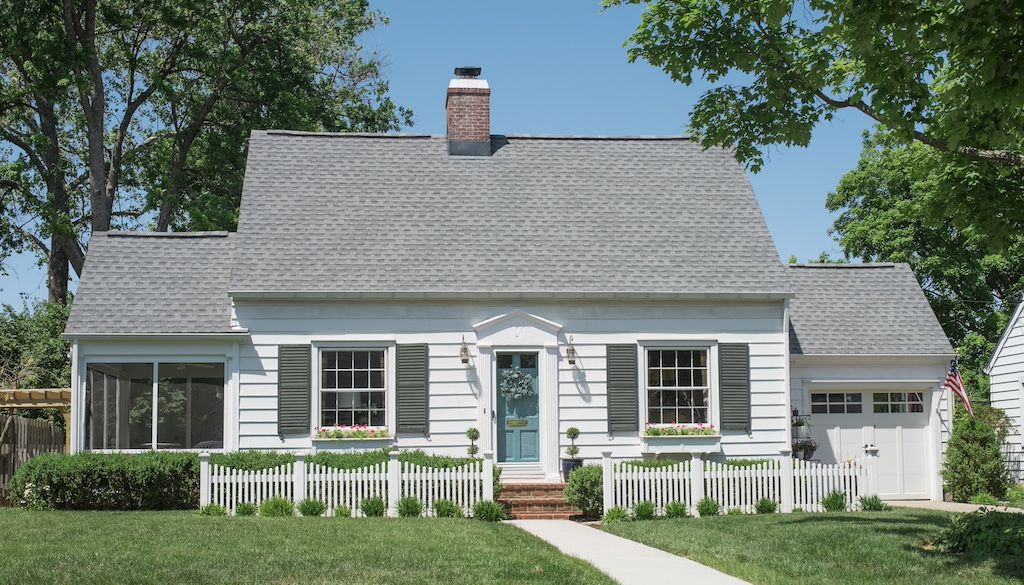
x: 518, y: 408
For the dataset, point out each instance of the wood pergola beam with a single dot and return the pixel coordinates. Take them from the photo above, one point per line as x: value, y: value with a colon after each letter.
x: 39, y: 398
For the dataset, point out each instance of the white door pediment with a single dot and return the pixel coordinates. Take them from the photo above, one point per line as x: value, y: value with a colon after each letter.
x: 517, y: 328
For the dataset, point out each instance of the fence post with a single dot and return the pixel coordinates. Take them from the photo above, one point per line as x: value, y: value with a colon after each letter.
x: 607, y: 485
x: 786, y: 479
x: 696, y: 480
x: 299, y: 477
x: 204, y: 479
x: 488, y: 475
x: 871, y: 466
x: 394, y: 482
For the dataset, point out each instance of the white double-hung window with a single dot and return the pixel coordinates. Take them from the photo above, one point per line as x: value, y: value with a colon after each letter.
x: 678, y: 388
x: 353, y: 387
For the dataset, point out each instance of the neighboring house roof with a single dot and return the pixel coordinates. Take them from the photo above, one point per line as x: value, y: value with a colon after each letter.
x: 154, y: 283
x: 868, y: 309
x: 1017, y: 316
x: 357, y: 214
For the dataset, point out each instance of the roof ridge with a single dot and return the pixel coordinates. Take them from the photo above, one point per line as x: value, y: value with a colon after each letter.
x: 152, y: 234
x: 846, y: 265
x: 395, y: 135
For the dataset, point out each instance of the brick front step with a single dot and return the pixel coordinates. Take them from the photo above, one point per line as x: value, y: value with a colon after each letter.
x: 544, y: 516
x: 536, y: 501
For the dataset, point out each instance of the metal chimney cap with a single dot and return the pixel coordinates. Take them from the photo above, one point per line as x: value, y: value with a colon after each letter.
x: 467, y: 72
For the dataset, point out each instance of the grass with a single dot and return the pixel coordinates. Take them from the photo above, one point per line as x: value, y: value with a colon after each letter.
x: 838, y: 549
x: 84, y: 548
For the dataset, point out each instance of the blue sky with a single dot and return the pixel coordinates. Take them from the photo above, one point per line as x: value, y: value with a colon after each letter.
x: 560, y: 68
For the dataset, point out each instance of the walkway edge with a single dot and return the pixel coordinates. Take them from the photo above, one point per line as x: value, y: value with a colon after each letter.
x: 626, y: 561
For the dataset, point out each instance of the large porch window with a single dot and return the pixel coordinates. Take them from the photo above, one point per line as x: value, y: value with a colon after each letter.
x: 189, y: 399
x: 352, y: 388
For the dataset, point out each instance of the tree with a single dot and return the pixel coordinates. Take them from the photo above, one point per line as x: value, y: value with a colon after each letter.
x: 945, y: 74
x: 974, y: 461
x: 32, y: 352
x: 118, y: 114
x: 908, y: 203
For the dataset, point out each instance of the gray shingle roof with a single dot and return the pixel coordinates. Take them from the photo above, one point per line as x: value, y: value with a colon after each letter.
x: 861, y: 309
x: 154, y: 283
x: 334, y: 213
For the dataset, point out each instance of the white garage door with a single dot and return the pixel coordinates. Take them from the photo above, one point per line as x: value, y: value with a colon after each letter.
x: 843, y: 423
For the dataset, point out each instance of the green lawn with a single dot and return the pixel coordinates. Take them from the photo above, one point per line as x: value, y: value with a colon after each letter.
x: 853, y: 548
x: 84, y: 548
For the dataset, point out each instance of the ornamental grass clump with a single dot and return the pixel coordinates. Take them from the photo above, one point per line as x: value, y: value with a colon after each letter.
x: 766, y: 506
x: 447, y: 509
x: 643, y: 510
x: 213, y: 510
x: 984, y: 499
x: 834, y: 501
x: 488, y: 511
x: 343, y: 512
x: 312, y: 507
x: 373, y: 507
x: 873, y: 504
x: 410, y: 507
x: 676, y: 510
x: 277, y: 507
x: 708, y: 507
x: 246, y: 509
x: 615, y: 515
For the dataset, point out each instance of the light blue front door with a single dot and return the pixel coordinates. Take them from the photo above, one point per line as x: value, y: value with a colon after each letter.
x: 518, y: 418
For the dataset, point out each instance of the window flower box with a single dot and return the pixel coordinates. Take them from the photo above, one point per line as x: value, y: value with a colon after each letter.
x: 699, y: 438
x: 352, y: 438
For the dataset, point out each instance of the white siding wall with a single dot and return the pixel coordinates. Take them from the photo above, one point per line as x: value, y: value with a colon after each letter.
x: 456, y: 399
x: 1007, y: 377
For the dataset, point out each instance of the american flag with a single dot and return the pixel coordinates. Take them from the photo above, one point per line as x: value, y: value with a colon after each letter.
x: 955, y: 383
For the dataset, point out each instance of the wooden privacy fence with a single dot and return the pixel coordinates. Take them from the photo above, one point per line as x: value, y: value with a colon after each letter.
x: 24, y: 438
x: 391, y: 480
x: 790, y: 483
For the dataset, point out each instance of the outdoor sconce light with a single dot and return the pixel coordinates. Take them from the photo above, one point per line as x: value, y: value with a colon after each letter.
x: 570, y: 353
x: 464, y: 351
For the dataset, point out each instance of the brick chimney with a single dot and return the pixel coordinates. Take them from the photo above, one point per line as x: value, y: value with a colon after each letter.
x: 468, y: 109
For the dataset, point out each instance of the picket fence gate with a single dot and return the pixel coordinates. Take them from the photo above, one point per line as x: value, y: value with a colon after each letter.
x: 22, y: 439
x: 791, y: 483
x: 391, y: 480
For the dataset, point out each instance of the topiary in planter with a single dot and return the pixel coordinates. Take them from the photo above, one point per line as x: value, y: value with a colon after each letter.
x: 473, y: 435
x: 585, y: 490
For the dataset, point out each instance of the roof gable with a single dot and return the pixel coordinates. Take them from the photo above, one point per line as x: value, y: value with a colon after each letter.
x: 1018, y: 315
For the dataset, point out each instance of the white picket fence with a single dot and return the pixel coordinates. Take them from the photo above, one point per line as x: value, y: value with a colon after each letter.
x: 391, y: 480
x: 789, y: 482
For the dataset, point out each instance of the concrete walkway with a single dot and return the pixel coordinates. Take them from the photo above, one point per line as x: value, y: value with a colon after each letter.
x: 628, y: 562
x: 948, y: 506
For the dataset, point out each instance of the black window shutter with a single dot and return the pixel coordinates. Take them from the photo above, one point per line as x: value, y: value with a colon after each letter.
x: 623, y: 389
x: 294, y: 390
x: 734, y: 386
x: 411, y: 388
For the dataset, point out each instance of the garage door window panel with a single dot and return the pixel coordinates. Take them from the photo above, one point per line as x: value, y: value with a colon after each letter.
x: 836, y: 403
x: 897, y: 402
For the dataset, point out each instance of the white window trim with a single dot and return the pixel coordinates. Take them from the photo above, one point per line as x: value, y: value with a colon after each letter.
x: 155, y: 361
x: 711, y: 346
x: 390, y: 372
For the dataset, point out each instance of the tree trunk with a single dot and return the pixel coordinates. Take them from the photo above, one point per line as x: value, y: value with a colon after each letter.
x: 57, y: 272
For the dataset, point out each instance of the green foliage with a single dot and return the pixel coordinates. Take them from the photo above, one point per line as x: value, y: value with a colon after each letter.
x: 616, y: 514
x: 32, y: 353
x: 585, y: 490
x: 985, y: 532
x: 676, y: 510
x: 974, y: 462
x: 834, y: 501
x: 252, y: 460
x: 873, y: 504
x: 650, y: 463
x: 473, y: 435
x: 984, y: 499
x: 343, y: 512
x: 108, y: 481
x: 447, y: 509
x: 373, y: 507
x: 277, y: 507
x: 410, y: 507
x: 708, y: 507
x: 312, y: 507
x: 734, y: 512
x: 643, y: 510
x: 745, y: 462
x: 488, y: 511
x: 246, y: 509
x: 572, y: 433
x: 1015, y: 495
x: 766, y: 506
x: 213, y: 510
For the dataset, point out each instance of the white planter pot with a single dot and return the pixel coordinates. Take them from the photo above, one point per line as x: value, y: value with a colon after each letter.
x: 374, y: 444
x: 682, y: 444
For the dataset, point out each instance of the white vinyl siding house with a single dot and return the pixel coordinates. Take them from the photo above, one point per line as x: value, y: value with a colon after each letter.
x: 1006, y: 387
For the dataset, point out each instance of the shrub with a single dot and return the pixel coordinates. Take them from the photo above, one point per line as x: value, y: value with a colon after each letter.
x: 585, y: 490
x: 410, y: 507
x: 373, y: 507
x: 984, y: 499
x: 676, y: 510
x: 213, y: 510
x: 312, y: 507
x: 798, y: 510
x: 252, y: 460
x: 488, y: 511
x: 650, y: 463
x: 745, y: 462
x: 734, y: 512
x: 616, y: 514
x: 343, y: 512
x: 108, y: 481
x: 447, y: 509
x: 277, y: 507
x: 245, y: 509
x: 974, y: 463
x: 834, y: 501
x: 1015, y: 495
x: 708, y: 507
x: 873, y: 504
x: 572, y: 433
x: 643, y: 510
x: 985, y: 532
x: 472, y: 434
x: 766, y: 506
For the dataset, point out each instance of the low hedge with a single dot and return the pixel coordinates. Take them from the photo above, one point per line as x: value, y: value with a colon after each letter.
x: 108, y: 481
x: 985, y: 532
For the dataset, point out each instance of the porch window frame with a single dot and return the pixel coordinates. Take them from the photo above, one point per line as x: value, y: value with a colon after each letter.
x: 390, y: 372
x: 710, y: 347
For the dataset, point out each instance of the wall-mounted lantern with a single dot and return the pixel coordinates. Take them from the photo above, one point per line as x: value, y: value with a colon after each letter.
x: 464, y: 351
x: 570, y: 353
